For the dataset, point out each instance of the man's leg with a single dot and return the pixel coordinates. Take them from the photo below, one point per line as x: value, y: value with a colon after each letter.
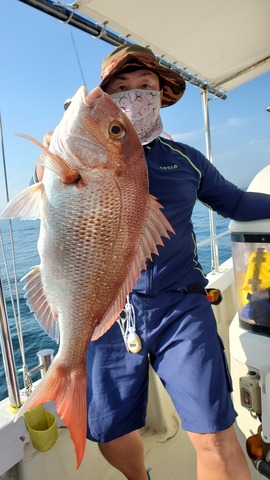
x: 126, y: 453
x: 219, y: 456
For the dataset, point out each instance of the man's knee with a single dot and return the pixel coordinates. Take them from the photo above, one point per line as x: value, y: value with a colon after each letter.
x: 220, y: 454
x: 220, y: 444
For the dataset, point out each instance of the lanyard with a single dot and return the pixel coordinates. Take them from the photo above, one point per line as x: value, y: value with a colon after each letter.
x: 127, y: 324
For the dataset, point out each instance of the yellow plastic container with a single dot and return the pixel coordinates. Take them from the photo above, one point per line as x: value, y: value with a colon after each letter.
x: 42, y: 428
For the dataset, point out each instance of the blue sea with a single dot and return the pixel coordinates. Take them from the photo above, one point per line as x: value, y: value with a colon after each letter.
x: 25, y: 235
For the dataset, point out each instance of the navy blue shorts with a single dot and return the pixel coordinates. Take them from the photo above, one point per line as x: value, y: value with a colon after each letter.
x: 179, y: 336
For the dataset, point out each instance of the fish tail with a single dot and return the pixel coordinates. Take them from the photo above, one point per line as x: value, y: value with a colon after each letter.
x: 67, y: 387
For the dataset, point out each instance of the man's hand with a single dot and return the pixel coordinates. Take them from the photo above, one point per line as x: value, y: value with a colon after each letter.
x: 46, y: 141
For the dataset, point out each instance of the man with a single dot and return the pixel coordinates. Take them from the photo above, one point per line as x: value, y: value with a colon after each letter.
x: 171, y: 322
x: 174, y: 320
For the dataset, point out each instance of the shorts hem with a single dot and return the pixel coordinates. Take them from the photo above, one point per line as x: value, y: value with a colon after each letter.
x: 103, y: 438
x: 209, y: 428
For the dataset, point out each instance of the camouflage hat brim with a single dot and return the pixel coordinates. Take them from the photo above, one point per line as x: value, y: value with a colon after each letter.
x: 172, y: 83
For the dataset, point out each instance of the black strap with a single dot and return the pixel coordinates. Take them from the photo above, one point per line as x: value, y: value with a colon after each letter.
x: 193, y: 288
x: 213, y: 295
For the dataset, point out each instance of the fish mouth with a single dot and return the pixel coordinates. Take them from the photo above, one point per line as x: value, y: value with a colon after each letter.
x: 92, y: 97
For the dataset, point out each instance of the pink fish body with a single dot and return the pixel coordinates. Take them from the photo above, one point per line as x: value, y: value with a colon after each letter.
x: 98, y: 225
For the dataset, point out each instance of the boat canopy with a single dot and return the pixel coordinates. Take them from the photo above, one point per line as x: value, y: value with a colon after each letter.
x: 217, y: 45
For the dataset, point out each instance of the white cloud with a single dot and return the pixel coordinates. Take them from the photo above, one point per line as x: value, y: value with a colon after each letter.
x: 236, y: 122
x: 215, y: 129
x: 242, y: 162
x: 263, y: 143
x: 187, y: 137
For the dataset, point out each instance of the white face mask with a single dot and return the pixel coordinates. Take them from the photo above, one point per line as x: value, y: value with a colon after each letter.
x: 142, y: 107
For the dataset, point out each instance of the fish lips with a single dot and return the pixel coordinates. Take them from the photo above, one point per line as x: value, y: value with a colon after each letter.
x: 91, y: 99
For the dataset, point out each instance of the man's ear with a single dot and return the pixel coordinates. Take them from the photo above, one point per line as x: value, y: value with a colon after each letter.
x: 161, y: 96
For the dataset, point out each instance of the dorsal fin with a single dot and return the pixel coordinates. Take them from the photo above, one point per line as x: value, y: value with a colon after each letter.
x: 156, y: 226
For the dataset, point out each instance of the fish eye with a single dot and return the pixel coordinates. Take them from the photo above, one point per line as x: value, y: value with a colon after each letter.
x: 116, y: 130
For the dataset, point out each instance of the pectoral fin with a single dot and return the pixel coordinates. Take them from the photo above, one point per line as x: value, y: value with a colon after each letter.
x: 25, y: 205
x: 55, y: 163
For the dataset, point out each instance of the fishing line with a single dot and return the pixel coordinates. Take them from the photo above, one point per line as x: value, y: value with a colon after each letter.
x: 74, y: 6
x: 77, y: 55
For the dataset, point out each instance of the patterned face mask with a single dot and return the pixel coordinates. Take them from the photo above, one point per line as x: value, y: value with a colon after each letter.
x: 142, y: 107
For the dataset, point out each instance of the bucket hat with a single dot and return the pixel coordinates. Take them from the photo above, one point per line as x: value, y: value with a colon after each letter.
x: 172, y: 83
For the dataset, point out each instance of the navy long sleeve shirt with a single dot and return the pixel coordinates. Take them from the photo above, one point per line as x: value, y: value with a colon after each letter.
x: 178, y: 176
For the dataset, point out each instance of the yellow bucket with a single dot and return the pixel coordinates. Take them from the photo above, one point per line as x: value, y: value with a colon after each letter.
x: 42, y: 428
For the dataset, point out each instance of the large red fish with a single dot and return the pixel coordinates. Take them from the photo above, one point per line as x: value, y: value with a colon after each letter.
x: 98, y: 225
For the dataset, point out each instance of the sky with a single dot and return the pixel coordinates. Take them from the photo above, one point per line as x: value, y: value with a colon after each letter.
x: 40, y: 70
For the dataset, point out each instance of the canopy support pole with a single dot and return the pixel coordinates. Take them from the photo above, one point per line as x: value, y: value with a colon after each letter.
x: 212, y: 225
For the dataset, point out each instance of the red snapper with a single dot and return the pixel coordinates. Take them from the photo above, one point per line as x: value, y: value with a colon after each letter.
x: 98, y: 224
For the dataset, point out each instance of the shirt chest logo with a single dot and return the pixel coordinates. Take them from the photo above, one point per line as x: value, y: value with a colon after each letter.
x: 169, y: 167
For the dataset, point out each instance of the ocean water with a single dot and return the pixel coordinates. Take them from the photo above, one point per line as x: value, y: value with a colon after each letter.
x: 25, y: 235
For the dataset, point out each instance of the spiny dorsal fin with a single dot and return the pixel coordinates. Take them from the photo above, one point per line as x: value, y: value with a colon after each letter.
x: 156, y: 225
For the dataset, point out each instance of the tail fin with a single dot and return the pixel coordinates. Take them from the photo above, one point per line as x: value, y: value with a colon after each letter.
x: 67, y: 387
